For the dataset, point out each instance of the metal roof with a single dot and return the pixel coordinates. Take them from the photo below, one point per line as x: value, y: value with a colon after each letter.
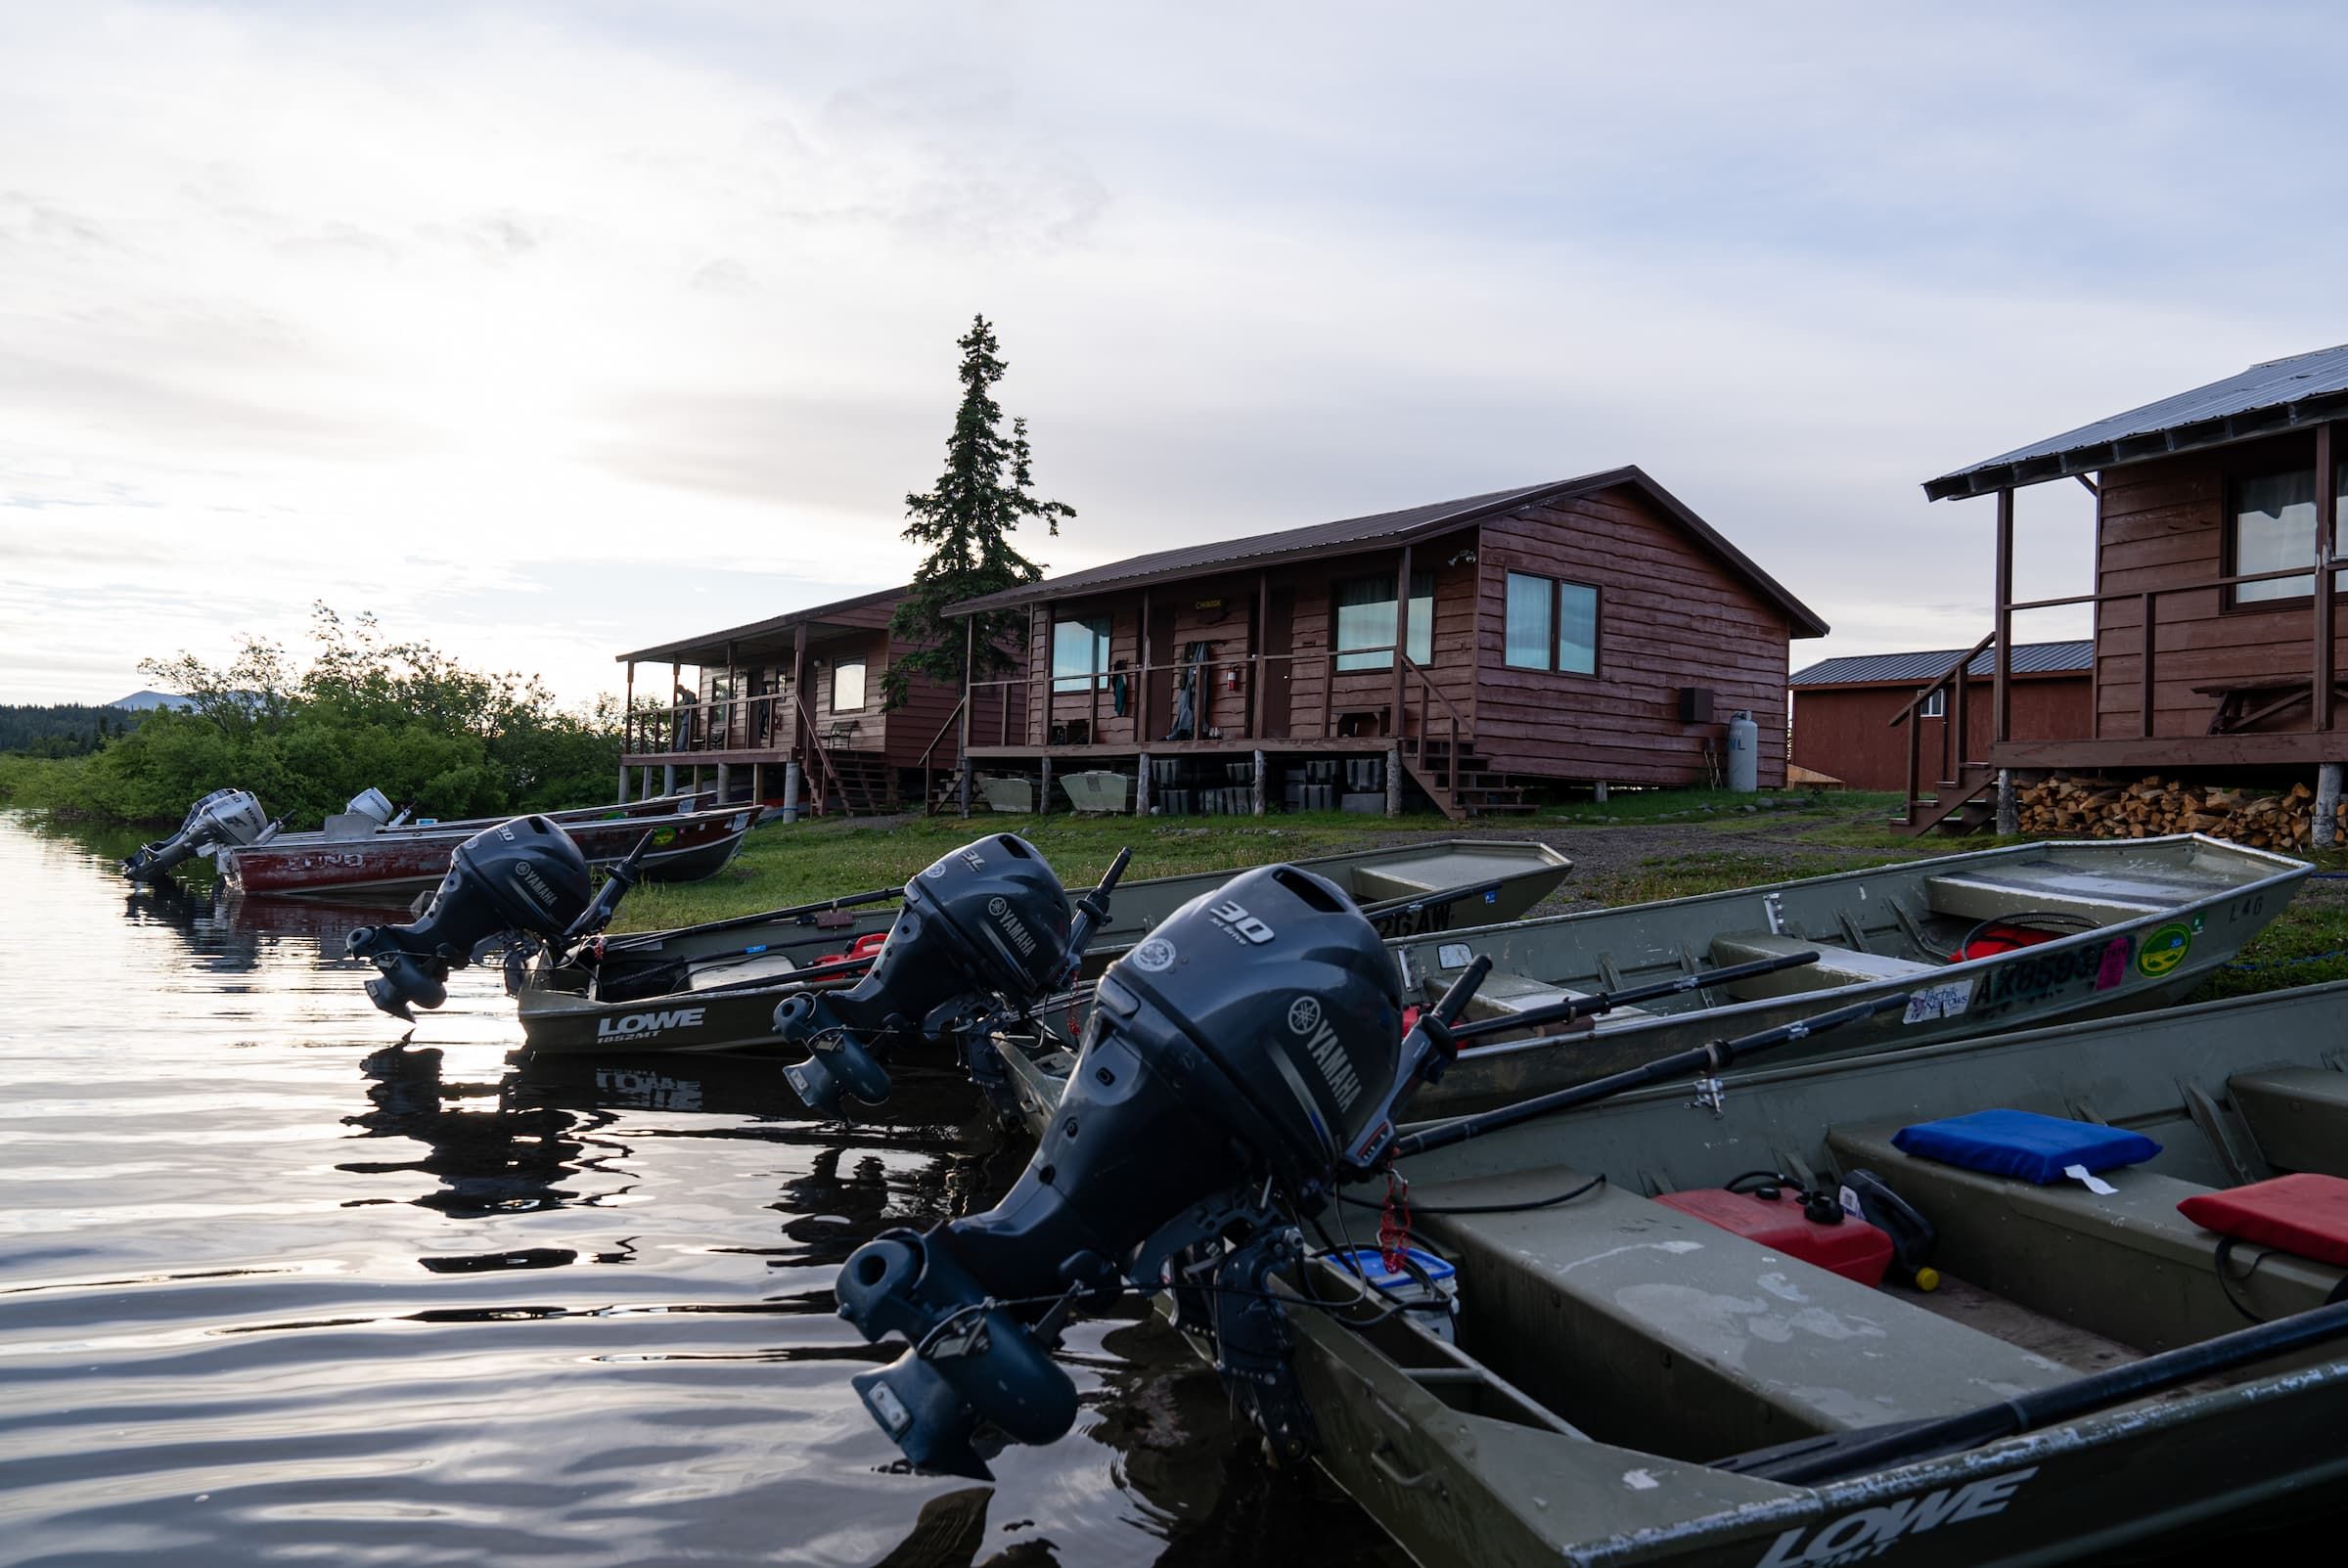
x: 2280, y: 394
x: 1384, y: 529
x: 1914, y: 669
x: 684, y: 649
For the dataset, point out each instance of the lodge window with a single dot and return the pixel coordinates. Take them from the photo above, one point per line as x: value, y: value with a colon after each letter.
x: 1936, y: 705
x: 847, y: 684
x: 1079, y: 652
x: 2274, y: 527
x: 1550, y: 625
x: 1365, y: 607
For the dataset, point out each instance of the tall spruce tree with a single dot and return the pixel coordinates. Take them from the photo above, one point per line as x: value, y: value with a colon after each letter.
x: 966, y: 520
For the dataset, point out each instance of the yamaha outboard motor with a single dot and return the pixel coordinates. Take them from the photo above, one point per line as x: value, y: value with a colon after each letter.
x: 1237, y: 1062
x: 231, y: 817
x: 988, y: 925
x: 526, y: 875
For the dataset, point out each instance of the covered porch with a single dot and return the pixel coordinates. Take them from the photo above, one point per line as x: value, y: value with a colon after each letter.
x: 2215, y: 635
x: 780, y: 711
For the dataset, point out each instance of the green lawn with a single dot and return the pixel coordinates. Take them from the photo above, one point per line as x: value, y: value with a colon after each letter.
x: 789, y: 864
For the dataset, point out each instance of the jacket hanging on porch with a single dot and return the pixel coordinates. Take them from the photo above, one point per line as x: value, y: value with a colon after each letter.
x: 1117, y: 688
x: 1186, y: 695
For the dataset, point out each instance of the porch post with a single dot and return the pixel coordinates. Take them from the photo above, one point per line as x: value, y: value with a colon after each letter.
x: 1141, y: 786
x: 669, y: 778
x: 676, y: 678
x: 791, y: 791
x: 1257, y: 794
x: 1402, y: 639
x: 970, y: 668
x: 2327, y: 505
x: 1255, y: 652
x: 628, y: 713
x: 2323, y: 831
x: 799, y: 669
x: 623, y: 783
x: 1141, y: 698
x: 1394, y: 779
x: 1043, y: 793
x: 2000, y: 695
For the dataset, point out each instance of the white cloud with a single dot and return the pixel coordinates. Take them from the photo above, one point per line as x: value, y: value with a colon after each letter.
x: 549, y: 333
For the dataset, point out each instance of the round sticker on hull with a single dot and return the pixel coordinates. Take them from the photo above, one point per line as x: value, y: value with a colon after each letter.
x: 2164, y: 950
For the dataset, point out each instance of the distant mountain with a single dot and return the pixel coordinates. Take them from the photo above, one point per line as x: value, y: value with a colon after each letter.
x: 141, y: 701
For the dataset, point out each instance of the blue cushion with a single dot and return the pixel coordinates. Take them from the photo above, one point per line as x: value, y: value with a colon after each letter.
x: 2023, y: 1143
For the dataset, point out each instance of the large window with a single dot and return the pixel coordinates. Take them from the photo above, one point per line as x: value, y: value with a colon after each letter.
x: 2275, y: 528
x: 1079, y: 653
x: 1366, y: 621
x: 847, y: 684
x: 1550, y: 625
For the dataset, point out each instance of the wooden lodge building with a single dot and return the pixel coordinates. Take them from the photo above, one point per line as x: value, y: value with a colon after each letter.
x: 2215, y: 639
x: 1593, y: 629
x: 802, y: 687
x: 1849, y: 713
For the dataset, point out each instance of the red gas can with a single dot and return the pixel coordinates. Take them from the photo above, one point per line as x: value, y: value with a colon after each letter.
x: 1854, y: 1249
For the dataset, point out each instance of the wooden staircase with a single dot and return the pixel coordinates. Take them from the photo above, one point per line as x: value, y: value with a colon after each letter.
x: 1468, y: 791
x: 861, y: 784
x: 1965, y: 804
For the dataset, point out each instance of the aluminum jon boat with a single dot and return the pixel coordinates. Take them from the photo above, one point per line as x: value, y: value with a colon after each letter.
x: 714, y: 987
x: 1629, y: 1384
x: 2057, y: 930
x: 686, y: 845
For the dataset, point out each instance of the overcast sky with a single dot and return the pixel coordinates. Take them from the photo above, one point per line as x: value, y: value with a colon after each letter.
x: 551, y: 330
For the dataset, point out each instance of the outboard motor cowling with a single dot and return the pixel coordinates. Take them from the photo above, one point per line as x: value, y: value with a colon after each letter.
x: 231, y: 817
x: 526, y: 875
x: 987, y: 921
x: 1252, y: 1039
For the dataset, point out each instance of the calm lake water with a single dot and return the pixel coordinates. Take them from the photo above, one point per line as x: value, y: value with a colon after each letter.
x: 275, y: 1285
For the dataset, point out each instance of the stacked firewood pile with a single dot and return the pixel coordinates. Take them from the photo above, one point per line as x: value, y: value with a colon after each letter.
x: 2106, y: 808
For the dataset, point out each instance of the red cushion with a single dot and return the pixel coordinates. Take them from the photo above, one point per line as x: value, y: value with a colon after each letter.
x: 2306, y: 1216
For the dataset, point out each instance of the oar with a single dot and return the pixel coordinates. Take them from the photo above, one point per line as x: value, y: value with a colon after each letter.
x: 797, y: 912
x: 1707, y: 1059
x: 1599, y: 1001
x: 1862, y: 1451
x: 1411, y: 903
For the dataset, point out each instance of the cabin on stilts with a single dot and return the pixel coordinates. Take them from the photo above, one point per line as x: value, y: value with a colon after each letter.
x: 1455, y: 654
x: 787, y: 711
x: 2214, y: 636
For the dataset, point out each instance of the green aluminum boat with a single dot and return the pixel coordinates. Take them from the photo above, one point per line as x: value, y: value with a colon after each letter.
x: 2061, y: 930
x: 714, y: 987
x: 1628, y: 1384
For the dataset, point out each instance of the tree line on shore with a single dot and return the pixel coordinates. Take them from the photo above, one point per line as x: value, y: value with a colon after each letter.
x: 402, y: 717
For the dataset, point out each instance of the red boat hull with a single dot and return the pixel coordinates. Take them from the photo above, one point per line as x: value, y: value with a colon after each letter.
x: 685, y: 847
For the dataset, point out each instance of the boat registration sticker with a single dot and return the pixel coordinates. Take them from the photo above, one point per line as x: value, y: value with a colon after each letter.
x: 2164, y: 950
x: 1453, y: 955
x: 1945, y: 1001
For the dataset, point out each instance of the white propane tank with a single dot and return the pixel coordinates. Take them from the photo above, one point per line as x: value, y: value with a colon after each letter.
x: 1744, y: 753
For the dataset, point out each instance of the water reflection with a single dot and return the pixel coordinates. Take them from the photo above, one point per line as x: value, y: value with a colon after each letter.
x: 275, y: 1281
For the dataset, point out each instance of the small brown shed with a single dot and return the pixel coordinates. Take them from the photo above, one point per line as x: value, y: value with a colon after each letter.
x: 1844, y: 708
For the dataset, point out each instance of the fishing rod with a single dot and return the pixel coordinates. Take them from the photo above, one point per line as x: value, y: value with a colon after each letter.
x: 795, y: 912
x: 1812, y: 1462
x: 1600, y: 1002
x: 1707, y: 1059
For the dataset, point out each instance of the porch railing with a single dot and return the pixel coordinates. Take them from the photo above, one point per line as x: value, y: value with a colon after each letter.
x: 733, y: 724
x: 2323, y: 713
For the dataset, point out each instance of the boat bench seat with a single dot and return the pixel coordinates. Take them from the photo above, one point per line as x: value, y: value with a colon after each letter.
x: 2299, y: 1116
x: 1836, y: 967
x: 1373, y: 885
x: 1502, y: 994
x: 2127, y: 1266
x: 1989, y: 894
x: 1646, y: 1327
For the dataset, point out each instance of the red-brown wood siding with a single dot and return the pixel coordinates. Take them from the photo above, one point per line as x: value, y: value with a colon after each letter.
x: 1845, y: 730
x: 1671, y: 614
x: 2161, y: 525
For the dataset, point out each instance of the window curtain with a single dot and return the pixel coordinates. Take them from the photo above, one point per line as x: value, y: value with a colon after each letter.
x: 1366, y: 621
x: 1526, y: 623
x: 1577, y: 629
